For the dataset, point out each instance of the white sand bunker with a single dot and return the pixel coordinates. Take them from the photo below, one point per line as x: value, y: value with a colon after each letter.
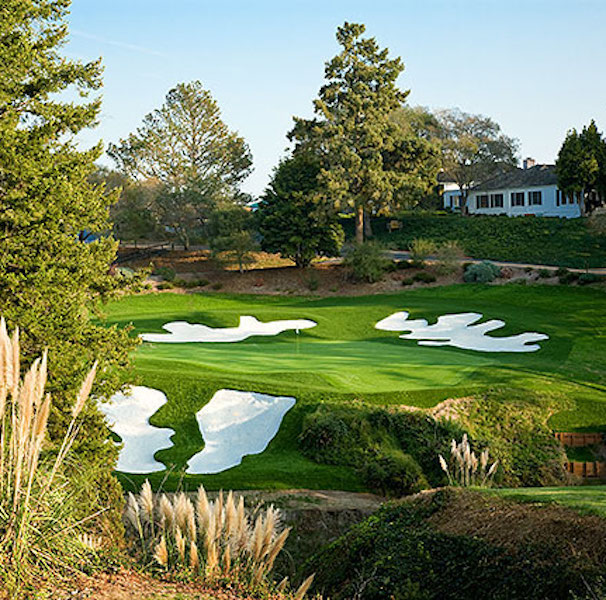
x: 129, y: 415
x: 235, y: 424
x: 458, y: 331
x: 182, y: 331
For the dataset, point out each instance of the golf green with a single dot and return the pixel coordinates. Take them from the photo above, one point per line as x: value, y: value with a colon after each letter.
x: 345, y: 358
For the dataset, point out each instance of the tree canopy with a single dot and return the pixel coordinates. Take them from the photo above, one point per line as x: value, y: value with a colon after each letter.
x: 187, y: 150
x: 365, y: 156
x: 473, y: 149
x: 295, y: 219
x: 581, y: 166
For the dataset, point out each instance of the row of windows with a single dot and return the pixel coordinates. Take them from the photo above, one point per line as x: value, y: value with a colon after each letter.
x: 562, y: 198
x: 517, y: 199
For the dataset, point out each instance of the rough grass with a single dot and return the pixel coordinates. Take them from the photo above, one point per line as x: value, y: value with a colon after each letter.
x: 345, y: 359
x: 589, y: 499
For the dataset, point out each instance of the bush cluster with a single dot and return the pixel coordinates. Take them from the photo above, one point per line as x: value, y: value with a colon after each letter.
x: 484, y: 272
x: 366, y: 262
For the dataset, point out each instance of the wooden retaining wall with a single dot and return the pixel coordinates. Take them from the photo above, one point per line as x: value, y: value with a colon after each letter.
x: 587, y: 469
x: 579, y: 439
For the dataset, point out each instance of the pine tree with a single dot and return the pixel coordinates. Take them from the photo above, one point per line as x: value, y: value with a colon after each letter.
x: 353, y: 133
x: 51, y: 279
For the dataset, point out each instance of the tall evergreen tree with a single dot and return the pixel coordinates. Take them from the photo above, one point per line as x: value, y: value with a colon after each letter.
x: 50, y: 280
x: 294, y: 217
x: 581, y: 166
x: 361, y: 148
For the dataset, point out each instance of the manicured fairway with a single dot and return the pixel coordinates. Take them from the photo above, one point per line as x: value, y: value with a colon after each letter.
x: 344, y: 358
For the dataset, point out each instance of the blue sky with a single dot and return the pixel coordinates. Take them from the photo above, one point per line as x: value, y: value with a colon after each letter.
x: 535, y: 66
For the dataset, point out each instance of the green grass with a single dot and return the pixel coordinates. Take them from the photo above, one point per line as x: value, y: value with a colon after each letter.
x: 590, y: 499
x: 540, y: 240
x: 345, y: 359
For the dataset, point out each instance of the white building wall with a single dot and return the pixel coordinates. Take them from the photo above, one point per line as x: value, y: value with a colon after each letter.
x: 547, y: 208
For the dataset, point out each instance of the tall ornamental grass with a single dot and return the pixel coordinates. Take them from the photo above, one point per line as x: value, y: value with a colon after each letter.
x: 39, y: 536
x: 465, y: 468
x: 214, y: 541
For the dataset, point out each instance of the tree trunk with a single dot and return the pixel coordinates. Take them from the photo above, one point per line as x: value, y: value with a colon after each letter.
x: 359, y: 225
x: 367, y: 225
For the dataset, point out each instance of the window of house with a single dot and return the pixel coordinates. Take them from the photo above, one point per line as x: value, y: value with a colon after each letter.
x: 534, y: 198
x: 496, y: 200
x: 517, y: 198
x: 482, y: 201
x: 560, y: 197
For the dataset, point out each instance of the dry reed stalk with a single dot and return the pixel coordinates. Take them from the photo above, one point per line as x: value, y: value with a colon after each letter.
x: 146, y: 501
x: 194, y: 558
x: 202, y: 511
x: 180, y: 543
x: 167, y: 514
x: 300, y: 593
x: 161, y: 552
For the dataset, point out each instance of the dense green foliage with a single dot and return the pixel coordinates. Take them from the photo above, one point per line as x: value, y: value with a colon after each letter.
x: 294, y: 217
x: 407, y: 550
x: 483, y: 272
x: 368, y: 160
x: 581, y: 166
x: 473, y: 149
x: 366, y: 262
x: 231, y: 235
x: 187, y: 154
x: 538, y: 240
x: 511, y: 423
x: 51, y: 276
x: 344, y: 359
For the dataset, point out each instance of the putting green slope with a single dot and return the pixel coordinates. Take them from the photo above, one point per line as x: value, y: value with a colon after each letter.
x: 345, y: 358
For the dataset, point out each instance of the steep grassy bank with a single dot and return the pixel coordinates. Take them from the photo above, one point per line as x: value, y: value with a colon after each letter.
x: 539, y: 240
x: 454, y: 544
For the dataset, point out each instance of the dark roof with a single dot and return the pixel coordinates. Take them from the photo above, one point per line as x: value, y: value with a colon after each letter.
x: 538, y: 175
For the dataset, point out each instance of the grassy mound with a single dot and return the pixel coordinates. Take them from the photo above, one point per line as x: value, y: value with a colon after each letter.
x: 345, y: 360
x: 464, y: 544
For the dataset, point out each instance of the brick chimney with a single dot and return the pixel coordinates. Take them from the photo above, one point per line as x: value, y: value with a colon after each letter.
x: 529, y: 163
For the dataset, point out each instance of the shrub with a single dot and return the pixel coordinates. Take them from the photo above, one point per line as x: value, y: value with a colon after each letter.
x: 483, y: 272
x: 449, y: 255
x: 587, y: 278
x: 407, y: 281
x: 181, y: 283
x: 545, y: 273
x: 217, y: 286
x: 421, y: 248
x: 394, y: 474
x: 324, y: 437
x: 561, y: 272
x: 404, y: 264
x: 167, y: 273
x: 166, y: 285
x: 366, y: 262
x: 568, y: 278
x: 312, y: 282
x: 424, y: 277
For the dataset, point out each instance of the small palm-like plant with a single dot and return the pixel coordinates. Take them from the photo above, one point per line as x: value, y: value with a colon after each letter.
x: 466, y: 469
x: 210, y: 540
x: 37, y: 531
